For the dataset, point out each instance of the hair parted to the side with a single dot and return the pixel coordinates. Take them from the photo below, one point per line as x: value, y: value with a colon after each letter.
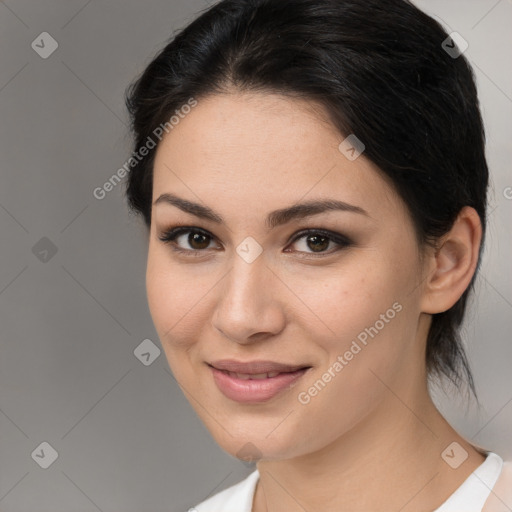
x: 379, y: 69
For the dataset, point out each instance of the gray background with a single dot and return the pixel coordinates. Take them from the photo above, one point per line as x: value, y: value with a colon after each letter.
x: 126, y: 438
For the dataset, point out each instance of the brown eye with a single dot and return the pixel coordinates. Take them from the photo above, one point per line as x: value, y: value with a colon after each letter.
x: 319, y: 242
x: 198, y: 241
x: 187, y: 239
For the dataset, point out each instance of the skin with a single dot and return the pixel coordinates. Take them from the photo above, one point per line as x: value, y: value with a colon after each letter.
x: 372, y: 438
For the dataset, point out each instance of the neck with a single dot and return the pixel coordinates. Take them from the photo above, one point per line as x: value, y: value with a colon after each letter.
x: 390, y: 461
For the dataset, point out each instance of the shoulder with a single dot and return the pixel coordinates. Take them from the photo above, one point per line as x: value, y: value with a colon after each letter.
x: 500, y: 499
x: 237, y: 498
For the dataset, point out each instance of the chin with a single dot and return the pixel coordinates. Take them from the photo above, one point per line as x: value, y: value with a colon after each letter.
x: 252, y: 441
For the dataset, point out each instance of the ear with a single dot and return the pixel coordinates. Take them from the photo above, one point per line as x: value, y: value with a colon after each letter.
x: 452, y: 264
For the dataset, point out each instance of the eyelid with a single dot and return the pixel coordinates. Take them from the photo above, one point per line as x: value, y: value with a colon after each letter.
x: 341, y: 240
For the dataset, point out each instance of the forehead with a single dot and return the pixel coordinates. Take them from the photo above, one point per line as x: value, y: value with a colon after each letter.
x: 264, y: 149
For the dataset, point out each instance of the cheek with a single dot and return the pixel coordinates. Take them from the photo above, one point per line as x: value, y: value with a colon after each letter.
x: 174, y: 299
x: 367, y: 325
x: 342, y: 302
x: 372, y: 321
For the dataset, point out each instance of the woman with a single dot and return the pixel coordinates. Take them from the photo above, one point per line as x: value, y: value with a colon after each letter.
x: 313, y: 178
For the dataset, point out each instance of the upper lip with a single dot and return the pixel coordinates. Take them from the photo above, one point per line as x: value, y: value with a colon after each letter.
x: 254, y: 367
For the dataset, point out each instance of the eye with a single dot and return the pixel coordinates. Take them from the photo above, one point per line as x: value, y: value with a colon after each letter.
x: 193, y: 241
x: 318, y: 241
x: 180, y: 237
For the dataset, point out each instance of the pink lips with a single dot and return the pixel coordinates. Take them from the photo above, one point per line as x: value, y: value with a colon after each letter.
x: 254, y: 381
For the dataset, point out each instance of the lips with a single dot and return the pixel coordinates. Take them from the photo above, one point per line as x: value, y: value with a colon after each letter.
x: 254, y: 381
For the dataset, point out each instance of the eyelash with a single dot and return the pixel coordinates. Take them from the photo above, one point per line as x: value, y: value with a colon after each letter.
x: 169, y: 236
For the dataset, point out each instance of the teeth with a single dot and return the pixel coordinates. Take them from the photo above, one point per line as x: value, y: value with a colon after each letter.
x: 253, y: 376
x: 242, y: 376
x: 257, y: 376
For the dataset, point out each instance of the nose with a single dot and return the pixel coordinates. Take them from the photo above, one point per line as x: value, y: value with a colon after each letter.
x: 249, y: 308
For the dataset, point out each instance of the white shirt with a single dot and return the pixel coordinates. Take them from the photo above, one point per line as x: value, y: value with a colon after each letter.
x: 490, y: 485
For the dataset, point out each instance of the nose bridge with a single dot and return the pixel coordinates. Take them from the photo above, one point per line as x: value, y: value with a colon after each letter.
x: 248, y: 303
x: 244, y: 282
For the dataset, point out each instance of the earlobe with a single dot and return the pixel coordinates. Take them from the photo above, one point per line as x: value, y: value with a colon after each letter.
x: 453, y: 263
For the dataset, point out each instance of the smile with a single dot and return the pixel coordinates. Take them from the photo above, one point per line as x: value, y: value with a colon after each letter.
x: 251, y: 383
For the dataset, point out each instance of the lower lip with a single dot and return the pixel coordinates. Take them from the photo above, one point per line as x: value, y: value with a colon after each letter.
x: 257, y: 390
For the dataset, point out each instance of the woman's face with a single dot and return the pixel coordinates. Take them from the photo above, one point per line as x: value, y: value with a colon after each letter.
x: 331, y: 293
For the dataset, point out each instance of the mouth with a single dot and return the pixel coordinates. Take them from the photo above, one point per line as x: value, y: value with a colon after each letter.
x: 254, y: 381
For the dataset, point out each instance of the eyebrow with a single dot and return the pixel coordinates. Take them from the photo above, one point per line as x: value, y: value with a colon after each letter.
x: 275, y: 218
